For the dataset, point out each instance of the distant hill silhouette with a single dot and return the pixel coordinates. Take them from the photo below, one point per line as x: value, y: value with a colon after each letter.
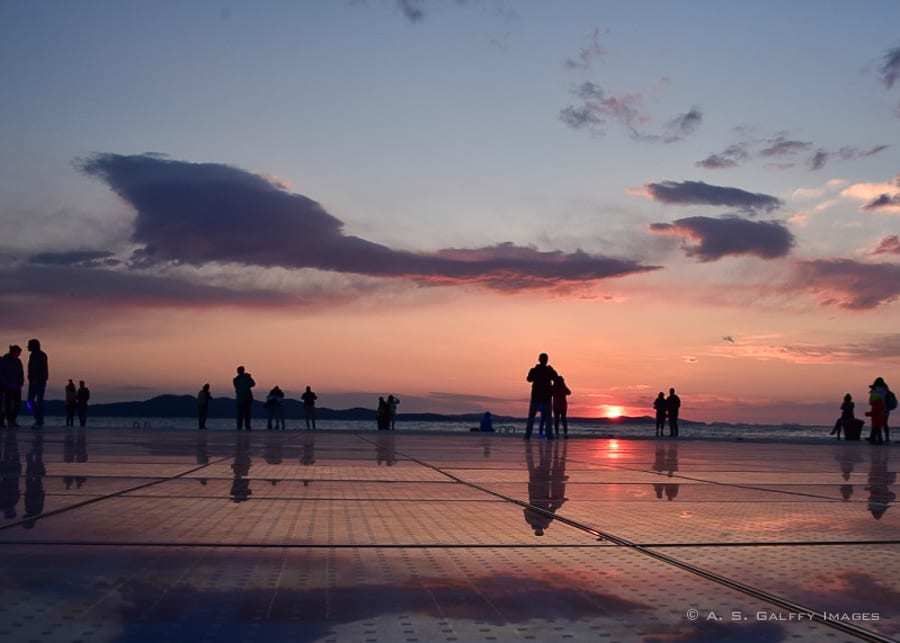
x: 171, y: 406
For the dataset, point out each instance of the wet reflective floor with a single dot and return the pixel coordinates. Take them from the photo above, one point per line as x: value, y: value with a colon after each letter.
x: 161, y: 535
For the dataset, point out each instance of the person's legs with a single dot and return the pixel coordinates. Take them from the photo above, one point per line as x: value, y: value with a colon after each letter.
x: 312, y: 415
x: 887, y: 429
x: 673, y: 426
x: 82, y: 415
x: 565, y: 422
x: 546, y: 420
x: 201, y: 419
x: 239, y: 415
x: 529, y: 427
x: 556, y: 422
x: 36, y: 392
x: 248, y: 409
x: 281, y: 418
x: 306, y: 414
x: 70, y: 415
x: 13, y: 400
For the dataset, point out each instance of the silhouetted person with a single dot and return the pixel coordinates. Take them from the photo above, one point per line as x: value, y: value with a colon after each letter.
x: 673, y: 407
x: 38, y: 374
x: 71, y: 404
x: 275, y: 409
x: 659, y: 405
x: 203, y: 398
x: 10, y: 472
x: 392, y: 403
x: 240, y: 483
x: 487, y: 423
x: 309, y: 407
x: 880, y: 482
x: 560, y: 393
x: 539, y: 490
x: 878, y: 409
x: 82, y: 397
x: 12, y: 379
x: 845, y: 422
x: 34, y: 481
x: 541, y: 377
x: 382, y: 415
x: 243, y: 397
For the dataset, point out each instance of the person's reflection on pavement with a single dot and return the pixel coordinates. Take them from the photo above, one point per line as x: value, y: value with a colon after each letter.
x: 273, y: 453
x: 486, y: 447
x: 308, y: 458
x: 671, y: 468
x: 10, y: 471
x: 558, y: 476
x: 240, y: 484
x: 202, y: 453
x: 385, y: 452
x: 34, y: 481
x: 880, y: 481
x: 847, y: 457
x: 539, y: 515
x: 659, y: 466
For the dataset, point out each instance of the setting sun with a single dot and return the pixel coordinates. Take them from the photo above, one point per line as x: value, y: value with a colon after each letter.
x: 611, y: 411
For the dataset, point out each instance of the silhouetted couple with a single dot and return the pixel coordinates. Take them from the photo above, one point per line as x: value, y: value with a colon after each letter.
x: 549, y: 394
x: 243, y: 397
x: 386, y: 414
x: 667, y: 407
x: 12, y: 379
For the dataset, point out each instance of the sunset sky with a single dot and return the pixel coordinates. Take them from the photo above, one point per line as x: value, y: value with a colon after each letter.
x: 418, y: 197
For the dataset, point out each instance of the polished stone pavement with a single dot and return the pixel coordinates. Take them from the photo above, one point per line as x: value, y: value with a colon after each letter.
x: 163, y: 535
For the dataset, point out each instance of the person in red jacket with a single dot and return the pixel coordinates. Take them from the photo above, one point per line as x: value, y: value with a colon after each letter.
x: 878, y: 410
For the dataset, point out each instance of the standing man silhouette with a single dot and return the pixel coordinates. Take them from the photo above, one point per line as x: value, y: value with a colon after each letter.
x: 673, y: 405
x: 309, y: 407
x: 203, y: 398
x: 542, y: 376
x: 243, y: 397
x: 38, y: 374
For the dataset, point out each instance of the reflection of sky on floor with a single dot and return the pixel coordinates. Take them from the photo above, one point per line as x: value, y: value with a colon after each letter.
x: 421, y: 537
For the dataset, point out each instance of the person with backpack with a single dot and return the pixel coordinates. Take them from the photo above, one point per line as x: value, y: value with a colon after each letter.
x: 878, y: 393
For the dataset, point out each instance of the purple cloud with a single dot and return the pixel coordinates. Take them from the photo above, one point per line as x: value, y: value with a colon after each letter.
x: 889, y: 245
x: 710, y: 239
x: 200, y: 213
x: 889, y: 69
x: 818, y: 160
x: 883, y: 201
x: 700, y: 193
x: 586, y: 55
x: 781, y: 146
x: 731, y: 156
x: 848, y: 283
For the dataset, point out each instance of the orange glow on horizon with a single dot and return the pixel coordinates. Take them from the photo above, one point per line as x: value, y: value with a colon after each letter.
x: 612, y: 411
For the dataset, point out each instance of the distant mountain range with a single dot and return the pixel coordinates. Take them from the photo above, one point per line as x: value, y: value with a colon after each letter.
x: 171, y: 406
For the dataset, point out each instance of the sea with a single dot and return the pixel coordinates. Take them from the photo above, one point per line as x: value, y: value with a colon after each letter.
x: 710, y: 431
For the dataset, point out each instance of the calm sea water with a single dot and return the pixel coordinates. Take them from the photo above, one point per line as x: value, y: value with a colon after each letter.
x: 710, y: 431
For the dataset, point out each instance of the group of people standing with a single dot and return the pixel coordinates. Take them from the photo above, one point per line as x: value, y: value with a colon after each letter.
x: 386, y: 413
x: 882, y: 401
x: 243, y: 396
x: 12, y: 380
x: 549, y: 394
x: 667, y: 407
